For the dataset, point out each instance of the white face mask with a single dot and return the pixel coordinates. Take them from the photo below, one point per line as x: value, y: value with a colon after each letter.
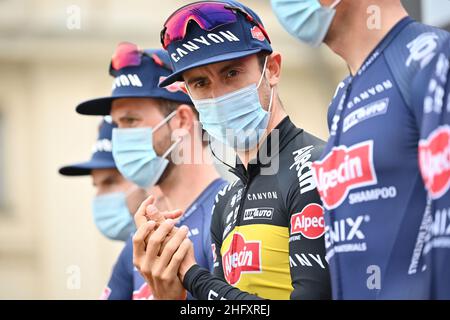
x: 112, y: 216
x: 307, y: 20
x: 236, y: 119
x: 135, y: 156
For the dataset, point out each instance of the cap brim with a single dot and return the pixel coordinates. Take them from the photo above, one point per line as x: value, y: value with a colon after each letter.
x: 177, y: 76
x: 96, y: 107
x: 85, y: 168
x: 102, y: 106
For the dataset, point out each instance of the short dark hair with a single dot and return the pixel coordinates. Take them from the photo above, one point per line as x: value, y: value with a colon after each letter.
x: 261, y: 56
x: 168, y: 106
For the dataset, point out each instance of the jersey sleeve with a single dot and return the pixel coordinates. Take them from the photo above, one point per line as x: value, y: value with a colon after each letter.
x: 432, y: 102
x: 308, y: 267
x: 431, y: 89
x: 120, y: 284
x: 200, y: 282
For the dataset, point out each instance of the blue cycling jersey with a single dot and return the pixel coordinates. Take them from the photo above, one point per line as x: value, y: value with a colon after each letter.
x: 377, y: 213
x: 432, y: 94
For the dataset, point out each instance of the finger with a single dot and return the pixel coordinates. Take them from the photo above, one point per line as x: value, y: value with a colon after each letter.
x: 177, y: 258
x: 172, y: 245
x: 168, y: 238
x: 153, y: 213
x: 143, y: 233
x: 139, y: 240
x: 174, y: 214
x: 156, y: 239
x: 139, y: 217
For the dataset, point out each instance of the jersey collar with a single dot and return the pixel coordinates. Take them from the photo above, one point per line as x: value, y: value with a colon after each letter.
x: 286, y: 132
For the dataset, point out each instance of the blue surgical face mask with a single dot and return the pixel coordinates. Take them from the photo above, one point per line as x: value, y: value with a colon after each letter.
x: 135, y: 156
x: 307, y: 20
x: 236, y: 119
x: 112, y: 216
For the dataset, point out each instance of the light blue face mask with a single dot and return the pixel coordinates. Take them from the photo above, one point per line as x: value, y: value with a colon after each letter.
x: 236, y: 119
x: 112, y: 216
x: 135, y: 156
x: 307, y: 20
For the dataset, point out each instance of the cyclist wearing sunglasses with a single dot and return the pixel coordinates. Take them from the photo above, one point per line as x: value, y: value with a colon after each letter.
x: 152, y: 122
x: 392, y: 115
x: 267, y: 227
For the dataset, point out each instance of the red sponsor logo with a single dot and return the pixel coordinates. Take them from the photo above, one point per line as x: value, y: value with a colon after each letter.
x: 242, y: 257
x: 310, y: 222
x: 143, y: 293
x: 434, y: 160
x: 342, y: 170
x: 174, y: 87
x: 105, y: 294
x: 257, y: 34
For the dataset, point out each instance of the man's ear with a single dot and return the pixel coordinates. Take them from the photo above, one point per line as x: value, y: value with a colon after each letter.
x: 184, y: 117
x: 274, y: 68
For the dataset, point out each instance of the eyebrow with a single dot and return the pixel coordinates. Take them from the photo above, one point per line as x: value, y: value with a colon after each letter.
x: 128, y: 115
x: 225, y: 68
x: 107, y: 180
x: 195, y: 79
x: 232, y: 64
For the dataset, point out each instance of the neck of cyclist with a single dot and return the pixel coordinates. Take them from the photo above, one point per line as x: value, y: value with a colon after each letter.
x: 277, y: 114
x: 359, y: 26
x: 188, y: 179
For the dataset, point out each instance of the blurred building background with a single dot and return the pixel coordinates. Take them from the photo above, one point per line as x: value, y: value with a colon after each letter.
x: 54, y: 54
